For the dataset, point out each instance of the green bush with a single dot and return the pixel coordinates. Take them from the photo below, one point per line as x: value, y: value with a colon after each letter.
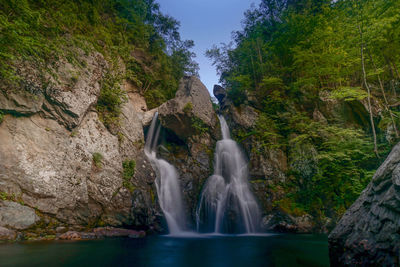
x: 199, y: 125
x: 97, y: 158
x: 1, y: 117
x: 112, y: 96
x: 129, y: 170
x: 188, y: 108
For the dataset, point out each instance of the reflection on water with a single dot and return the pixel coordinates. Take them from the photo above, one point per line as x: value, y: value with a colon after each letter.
x: 208, y: 251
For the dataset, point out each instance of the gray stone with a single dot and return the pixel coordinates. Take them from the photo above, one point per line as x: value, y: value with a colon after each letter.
x: 245, y: 116
x: 21, y: 102
x: 192, y: 101
x: 52, y: 169
x: 147, y: 116
x: 75, y: 90
x: 17, y: 216
x: 219, y: 92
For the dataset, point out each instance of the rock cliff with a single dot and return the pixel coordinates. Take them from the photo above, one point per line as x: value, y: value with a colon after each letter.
x: 369, y: 231
x: 62, y: 168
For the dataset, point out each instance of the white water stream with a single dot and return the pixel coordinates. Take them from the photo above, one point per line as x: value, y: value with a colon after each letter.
x: 167, y: 183
x: 227, y: 204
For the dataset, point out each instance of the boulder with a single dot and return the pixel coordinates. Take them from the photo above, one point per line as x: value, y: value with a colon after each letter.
x: 221, y: 95
x: 284, y: 223
x: 190, y: 112
x: 17, y: 216
x: 369, y: 231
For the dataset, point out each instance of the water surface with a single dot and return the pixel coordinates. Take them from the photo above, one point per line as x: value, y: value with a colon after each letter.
x: 248, y: 251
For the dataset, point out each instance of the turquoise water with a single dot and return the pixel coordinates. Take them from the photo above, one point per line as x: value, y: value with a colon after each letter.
x: 248, y: 251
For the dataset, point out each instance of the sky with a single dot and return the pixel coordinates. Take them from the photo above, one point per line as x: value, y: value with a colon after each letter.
x: 207, y: 22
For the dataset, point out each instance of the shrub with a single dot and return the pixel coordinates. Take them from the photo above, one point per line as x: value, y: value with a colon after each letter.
x: 199, y: 125
x: 112, y: 96
x: 97, y: 158
x: 129, y: 170
x: 188, y: 108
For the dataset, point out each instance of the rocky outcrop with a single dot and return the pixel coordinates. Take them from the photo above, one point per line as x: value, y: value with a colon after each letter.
x: 221, y: 95
x: 190, y: 113
x: 369, y: 231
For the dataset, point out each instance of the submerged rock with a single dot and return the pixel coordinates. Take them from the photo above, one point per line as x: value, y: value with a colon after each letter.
x: 369, y: 231
x: 102, y: 232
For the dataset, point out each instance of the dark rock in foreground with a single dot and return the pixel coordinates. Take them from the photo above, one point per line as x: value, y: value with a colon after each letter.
x: 369, y: 232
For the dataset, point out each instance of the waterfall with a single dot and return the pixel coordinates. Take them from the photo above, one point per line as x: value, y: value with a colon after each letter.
x: 226, y: 203
x: 167, y: 183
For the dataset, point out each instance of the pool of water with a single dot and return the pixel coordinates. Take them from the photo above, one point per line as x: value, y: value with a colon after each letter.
x: 208, y: 251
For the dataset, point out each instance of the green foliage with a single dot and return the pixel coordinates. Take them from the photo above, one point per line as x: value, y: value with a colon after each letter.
x: 97, y: 158
x: 129, y: 170
x: 343, y: 167
x: 11, y: 197
x: 1, y: 117
x: 3, y: 196
x: 349, y: 94
x: 148, y: 42
x: 188, y: 108
x: 112, y: 96
x: 199, y: 125
x: 237, y: 95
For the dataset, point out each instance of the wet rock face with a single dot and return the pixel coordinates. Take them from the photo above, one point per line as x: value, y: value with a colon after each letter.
x: 369, y: 231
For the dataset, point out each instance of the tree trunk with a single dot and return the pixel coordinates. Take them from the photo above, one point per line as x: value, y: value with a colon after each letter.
x: 369, y: 92
x: 384, y: 95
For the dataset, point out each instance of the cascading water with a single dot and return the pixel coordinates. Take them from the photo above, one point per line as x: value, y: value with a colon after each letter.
x: 226, y: 204
x: 167, y: 183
